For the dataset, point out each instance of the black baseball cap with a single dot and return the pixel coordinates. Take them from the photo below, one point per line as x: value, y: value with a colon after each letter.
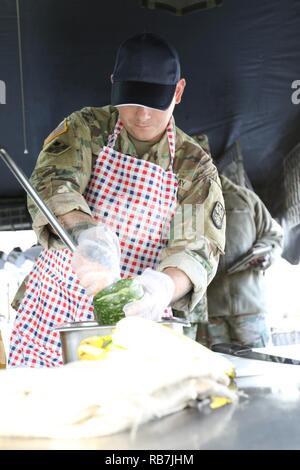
x: 146, y: 72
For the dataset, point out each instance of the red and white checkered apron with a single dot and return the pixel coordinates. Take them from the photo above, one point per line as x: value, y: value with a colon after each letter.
x: 137, y: 199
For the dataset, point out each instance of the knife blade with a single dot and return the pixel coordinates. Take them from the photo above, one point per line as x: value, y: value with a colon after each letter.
x: 245, y: 352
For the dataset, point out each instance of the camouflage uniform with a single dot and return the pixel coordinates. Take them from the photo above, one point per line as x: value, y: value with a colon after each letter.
x: 236, y: 302
x: 64, y: 168
x: 198, y: 315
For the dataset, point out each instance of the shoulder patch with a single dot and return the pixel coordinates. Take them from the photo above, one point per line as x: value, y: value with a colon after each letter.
x: 217, y: 215
x: 60, y: 129
x: 56, y: 148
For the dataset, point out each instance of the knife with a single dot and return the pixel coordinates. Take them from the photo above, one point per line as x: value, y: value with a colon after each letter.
x: 245, y: 352
x: 180, y: 321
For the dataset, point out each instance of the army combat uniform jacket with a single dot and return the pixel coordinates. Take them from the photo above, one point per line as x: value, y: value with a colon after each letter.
x: 64, y: 168
x: 236, y: 302
x: 249, y: 224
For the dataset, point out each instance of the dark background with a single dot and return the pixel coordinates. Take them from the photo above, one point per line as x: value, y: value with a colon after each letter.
x: 239, y: 60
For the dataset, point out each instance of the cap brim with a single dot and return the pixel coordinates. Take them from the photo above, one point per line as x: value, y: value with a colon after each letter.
x: 151, y: 95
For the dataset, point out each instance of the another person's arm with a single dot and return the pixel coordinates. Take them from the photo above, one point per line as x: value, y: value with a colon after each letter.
x: 268, y: 232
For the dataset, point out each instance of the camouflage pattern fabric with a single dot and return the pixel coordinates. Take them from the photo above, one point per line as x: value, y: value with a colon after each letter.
x: 199, y: 311
x: 249, y: 224
x: 198, y: 314
x: 202, y: 140
x: 250, y: 330
x: 64, y: 168
x: 236, y: 305
x: 196, y: 317
x: 191, y: 331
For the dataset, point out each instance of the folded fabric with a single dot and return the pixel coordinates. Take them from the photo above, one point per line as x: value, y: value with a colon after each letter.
x: 156, y: 372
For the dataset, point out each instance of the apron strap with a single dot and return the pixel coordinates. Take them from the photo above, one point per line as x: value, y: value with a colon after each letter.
x: 112, y: 138
x: 171, y: 135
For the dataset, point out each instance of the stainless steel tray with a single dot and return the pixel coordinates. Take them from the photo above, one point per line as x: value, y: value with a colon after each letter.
x: 72, y: 333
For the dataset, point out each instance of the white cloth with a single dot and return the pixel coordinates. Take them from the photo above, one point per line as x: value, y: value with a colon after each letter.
x: 129, y: 387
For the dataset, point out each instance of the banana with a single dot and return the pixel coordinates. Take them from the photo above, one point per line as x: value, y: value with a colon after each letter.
x: 86, y: 352
x: 97, y: 341
x: 96, y: 347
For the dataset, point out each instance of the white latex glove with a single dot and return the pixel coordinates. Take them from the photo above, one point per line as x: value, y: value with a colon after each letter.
x: 96, y: 261
x: 158, y: 292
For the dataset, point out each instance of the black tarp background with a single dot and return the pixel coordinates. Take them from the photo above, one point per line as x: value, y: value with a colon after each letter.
x: 239, y: 61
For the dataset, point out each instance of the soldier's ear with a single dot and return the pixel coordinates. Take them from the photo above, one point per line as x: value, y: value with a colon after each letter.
x: 179, y: 90
x: 112, y: 78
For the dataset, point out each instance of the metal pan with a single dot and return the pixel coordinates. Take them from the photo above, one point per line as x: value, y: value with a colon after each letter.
x: 72, y: 333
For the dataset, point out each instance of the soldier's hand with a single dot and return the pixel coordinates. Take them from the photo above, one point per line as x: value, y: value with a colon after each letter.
x: 158, y: 293
x: 96, y: 262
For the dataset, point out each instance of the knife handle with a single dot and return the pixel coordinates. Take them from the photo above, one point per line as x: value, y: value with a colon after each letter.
x: 229, y: 348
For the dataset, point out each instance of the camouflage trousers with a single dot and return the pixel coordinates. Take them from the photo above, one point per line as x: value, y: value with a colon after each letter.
x: 199, y: 314
x: 191, y: 331
x: 250, y: 330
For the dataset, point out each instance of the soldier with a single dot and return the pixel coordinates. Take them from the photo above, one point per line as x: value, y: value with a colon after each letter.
x: 236, y: 302
x: 117, y: 177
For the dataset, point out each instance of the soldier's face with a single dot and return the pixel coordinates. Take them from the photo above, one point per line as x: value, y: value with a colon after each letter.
x: 147, y: 124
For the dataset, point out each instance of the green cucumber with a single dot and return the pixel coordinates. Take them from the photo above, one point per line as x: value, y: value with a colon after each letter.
x: 109, y: 302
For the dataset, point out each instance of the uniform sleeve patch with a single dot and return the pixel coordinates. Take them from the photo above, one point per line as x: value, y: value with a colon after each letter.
x: 60, y: 129
x: 217, y: 215
x: 57, y: 148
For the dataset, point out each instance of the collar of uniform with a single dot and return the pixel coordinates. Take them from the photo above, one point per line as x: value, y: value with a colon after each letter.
x: 188, y: 152
x: 159, y: 153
